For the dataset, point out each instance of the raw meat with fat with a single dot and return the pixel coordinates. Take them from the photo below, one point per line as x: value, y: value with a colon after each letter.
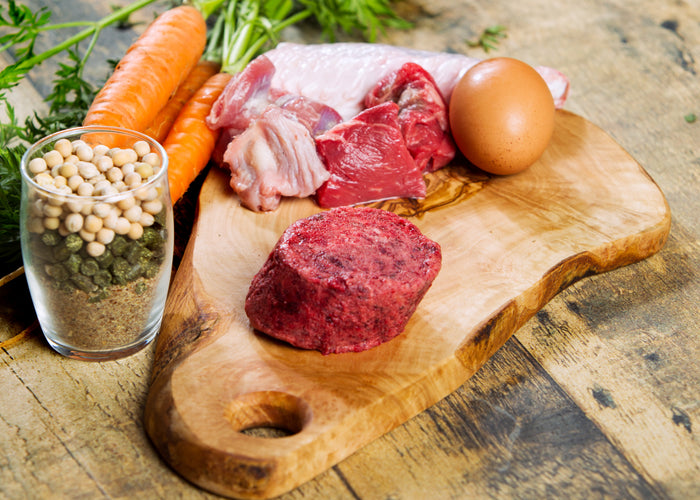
x: 249, y: 93
x: 368, y: 160
x: 244, y: 97
x: 341, y: 74
x: 317, y: 117
x: 343, y: 280
x: 274, y: 157
x: 422, y: 114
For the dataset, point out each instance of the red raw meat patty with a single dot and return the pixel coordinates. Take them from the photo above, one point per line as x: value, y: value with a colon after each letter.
x: 344, y: 280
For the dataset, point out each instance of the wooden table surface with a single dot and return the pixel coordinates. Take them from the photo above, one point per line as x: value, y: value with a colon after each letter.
x: 597, y: 396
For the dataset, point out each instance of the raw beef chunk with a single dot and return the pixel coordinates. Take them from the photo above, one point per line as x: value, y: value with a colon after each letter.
x: 343, y: 280
x: 422, y: 114
x: 368, y: 160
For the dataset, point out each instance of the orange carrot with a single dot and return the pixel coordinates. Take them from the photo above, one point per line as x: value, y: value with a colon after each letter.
x: 191, y: 142
x: 151, y: 70
x: 159, y: 128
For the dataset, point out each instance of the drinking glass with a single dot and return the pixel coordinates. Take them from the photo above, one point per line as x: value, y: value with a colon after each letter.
x: 96, y: 229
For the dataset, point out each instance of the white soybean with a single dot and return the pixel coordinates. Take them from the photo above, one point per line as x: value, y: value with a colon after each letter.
x: 64, y: 147
x: 87, y: 170
x: 74, y: 222
x: 147, y: 194
x: 135, y: 231
x: 87, y: 207
x: 123, y: 156
x: 100, y: 150
x: 146, y: 219
x: 68, y: 170
x: 141, y: 148
x: 105, y: 236
x: 126, y: 203
x: 128, y: 168
x: 132, y: 180
x: 152, y: 159
x: 37, y: 165
x: 152, y: 207
x: 95, y: 249
x: 77, y: 143
x: 86, y: 235
x: 44, y: 179
x: 133, y: 214
x: 108, y: 191
x: 52, y: 210
x: 74, y: 206
x: 53, y: 158
x: 60, y: 181
x: 92, y: 223
x: 115, y: 174
x: 110, y: 221
x: 72, y: 159
x: 56, y: 201
x: 144, y: 170
x: 102, y: 210
x: 74, y: 181
x: 85, y: 189
x: 100, y: 185
x: 51, y: 222
x: 84, y: 152
x: 104, y: 163
x: 122, y: 226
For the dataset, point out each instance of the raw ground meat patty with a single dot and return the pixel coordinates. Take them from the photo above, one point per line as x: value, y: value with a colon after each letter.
x: 344, y: 280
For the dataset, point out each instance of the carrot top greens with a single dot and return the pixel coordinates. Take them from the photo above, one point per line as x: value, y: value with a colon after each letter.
x: 244, y: 29
x: 241, y: 29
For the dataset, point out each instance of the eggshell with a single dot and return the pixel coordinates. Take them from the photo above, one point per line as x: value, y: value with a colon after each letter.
x: 502, y: 115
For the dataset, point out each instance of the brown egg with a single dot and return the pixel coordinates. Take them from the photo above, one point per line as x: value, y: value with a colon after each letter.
x: 502, y: 115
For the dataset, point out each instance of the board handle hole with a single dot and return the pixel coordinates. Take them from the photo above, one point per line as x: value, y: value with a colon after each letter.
x: 268, y: 414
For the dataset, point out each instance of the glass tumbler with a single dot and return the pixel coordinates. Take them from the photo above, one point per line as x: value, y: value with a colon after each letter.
x: 96, y: 228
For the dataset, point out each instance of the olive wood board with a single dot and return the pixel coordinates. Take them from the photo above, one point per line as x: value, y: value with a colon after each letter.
x: 509, y: 245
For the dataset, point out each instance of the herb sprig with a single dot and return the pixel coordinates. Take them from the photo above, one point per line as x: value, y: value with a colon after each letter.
x: 489, y: 38
x: 24, y: 28
x: 243, y: 29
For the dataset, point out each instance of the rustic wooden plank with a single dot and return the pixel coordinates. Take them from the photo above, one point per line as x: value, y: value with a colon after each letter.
x: 71, y: 429
x: 628, y: 382
x: 493, y: 438
x: 634, y: 71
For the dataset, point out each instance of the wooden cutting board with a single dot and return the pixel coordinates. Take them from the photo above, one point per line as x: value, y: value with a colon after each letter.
x: 509, y: 245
